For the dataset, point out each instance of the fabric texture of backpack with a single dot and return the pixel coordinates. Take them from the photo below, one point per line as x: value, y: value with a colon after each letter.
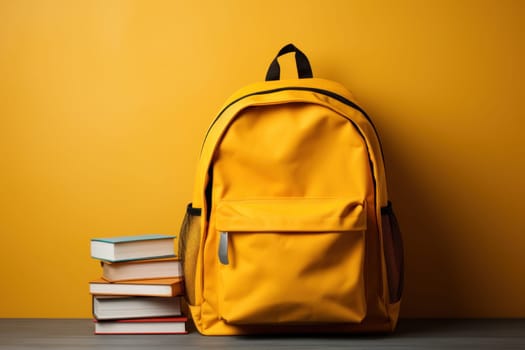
x: 290, y: 228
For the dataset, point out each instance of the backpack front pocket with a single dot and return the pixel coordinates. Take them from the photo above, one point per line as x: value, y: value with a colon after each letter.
x: 291, y: 261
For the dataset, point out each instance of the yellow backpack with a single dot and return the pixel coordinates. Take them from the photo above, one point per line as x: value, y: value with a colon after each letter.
x: 290, y: 228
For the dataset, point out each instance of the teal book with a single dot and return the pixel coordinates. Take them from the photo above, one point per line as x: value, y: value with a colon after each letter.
x: 129, y: 248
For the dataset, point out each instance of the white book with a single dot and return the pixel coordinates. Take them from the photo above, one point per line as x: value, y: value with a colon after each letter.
x: 122, y: 307
x: 164, y: 287
x: 141, y: 269
x: 126, y: 248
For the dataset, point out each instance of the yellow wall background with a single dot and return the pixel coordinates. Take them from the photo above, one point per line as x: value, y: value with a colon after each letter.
x: 104, y: 105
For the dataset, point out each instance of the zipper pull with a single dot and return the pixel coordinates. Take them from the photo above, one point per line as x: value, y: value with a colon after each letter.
x: 223, y: 248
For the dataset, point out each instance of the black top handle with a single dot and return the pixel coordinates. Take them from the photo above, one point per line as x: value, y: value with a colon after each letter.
x: 304, y: 70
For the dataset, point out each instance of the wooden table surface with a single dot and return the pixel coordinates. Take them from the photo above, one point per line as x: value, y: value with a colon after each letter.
x: 73, y: 334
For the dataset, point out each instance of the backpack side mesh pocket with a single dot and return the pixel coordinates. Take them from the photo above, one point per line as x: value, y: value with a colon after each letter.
x: 189, y: 240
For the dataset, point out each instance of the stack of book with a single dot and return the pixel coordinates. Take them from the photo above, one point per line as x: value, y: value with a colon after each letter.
x: 141, y: 285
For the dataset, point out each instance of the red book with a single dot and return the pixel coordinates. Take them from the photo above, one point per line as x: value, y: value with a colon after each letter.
x: 163, y: 325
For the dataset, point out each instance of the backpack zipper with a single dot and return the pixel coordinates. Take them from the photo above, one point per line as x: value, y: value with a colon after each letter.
x: 328, y: 93
x: 223, y: 248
